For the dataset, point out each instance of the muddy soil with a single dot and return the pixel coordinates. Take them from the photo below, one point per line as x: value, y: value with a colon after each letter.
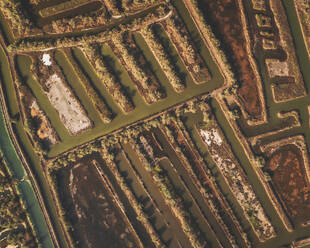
x: 225, y: 21
x: 96, y: 218
x: 290, y: 183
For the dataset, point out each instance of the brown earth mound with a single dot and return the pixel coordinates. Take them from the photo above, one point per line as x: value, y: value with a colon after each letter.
x: 290, y: 182
x: 225, y: 20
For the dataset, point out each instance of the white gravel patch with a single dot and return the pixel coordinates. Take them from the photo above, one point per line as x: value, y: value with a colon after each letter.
x: 238, y: 182
x: 277, y: 68
x: 46, y: 59
x: 211, y: 136
x: 70, y: 110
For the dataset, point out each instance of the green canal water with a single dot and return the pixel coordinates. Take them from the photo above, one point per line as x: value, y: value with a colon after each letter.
x: 8, y: 149
x: 24, y: 187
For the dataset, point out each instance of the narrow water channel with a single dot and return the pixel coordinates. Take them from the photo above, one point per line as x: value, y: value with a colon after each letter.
x: 24, y: 187
x: 284, y: 237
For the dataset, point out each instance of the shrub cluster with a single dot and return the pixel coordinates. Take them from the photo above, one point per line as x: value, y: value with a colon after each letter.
x: 105, y: 113
x: 109, y: 80
x: 162, y: 58
x: 133, y: 65
x: 12, y: 11
x: 178, y: 32
x: 28, y: 45
x: 15, y: 226
x: 171, y: 197
x: 141, y: 215
x: 207, y: 31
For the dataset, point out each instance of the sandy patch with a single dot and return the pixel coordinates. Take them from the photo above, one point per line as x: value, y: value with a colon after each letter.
x: 70, y: 110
